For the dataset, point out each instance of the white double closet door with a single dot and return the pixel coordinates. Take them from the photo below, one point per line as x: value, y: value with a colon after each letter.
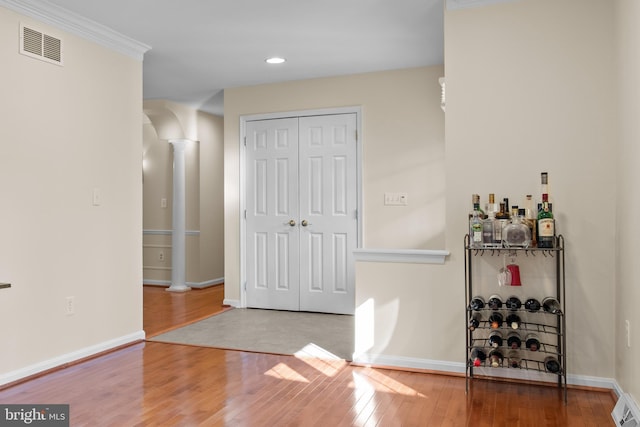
x: 301, y: 213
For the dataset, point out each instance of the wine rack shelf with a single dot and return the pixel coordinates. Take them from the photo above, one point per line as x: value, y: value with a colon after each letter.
x: 549, y: 327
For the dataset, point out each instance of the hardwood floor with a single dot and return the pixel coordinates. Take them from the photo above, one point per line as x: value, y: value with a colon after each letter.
x: 163, y: 311
x: 158, y: 384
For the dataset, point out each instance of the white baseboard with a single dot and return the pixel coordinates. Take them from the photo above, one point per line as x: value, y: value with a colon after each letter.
x: 381, y: 360
x: 45, y: 365
x: 198, y: 285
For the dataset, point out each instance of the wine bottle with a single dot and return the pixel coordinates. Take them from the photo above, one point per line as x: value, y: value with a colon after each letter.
x: 552, y: 365
x: 513, y: 321
x: 496, y: 358
x: 495, y: 302
x: 474, y: 321
x: 513, y: 303
x: 477, y: 303
x: 513, y: 358
x: 478, y: 356
x: 495, y: 339
x: 513, y: 340
x: 551, y: 305
x: 532, y: 342
x: 532, y: 304
x: 496, y: 320
x: 546, y: 224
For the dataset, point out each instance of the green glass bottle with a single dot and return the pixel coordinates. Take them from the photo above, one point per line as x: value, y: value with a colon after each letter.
x: 546, y: 225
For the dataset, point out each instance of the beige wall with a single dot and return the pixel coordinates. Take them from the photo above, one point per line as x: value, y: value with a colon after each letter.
x: 204, y: 189
x: 65, y: 131
x: 530, y: 89
x: 403, y: 151
x: 628, y: 203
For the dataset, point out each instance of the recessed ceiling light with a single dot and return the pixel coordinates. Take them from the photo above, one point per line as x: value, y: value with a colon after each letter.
x: 275, y: 60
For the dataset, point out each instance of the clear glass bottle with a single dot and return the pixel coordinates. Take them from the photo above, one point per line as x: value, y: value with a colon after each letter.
x: 502, y: 219
x: 531, y: 218
x: 551, y: 305
x: 516, y: 234
x: 491, y: 206
x: 488, y: 231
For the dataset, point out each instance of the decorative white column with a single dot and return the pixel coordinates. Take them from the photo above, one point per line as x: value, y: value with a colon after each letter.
x: 178, y: 235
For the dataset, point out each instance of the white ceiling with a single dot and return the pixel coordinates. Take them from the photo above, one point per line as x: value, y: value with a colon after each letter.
x: 200, y: 47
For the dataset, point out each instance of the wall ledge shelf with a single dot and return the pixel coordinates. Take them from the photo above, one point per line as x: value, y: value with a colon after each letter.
x: 416, y: 256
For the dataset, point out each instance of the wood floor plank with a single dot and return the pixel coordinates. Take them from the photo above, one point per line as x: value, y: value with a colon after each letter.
x: 160, y: 384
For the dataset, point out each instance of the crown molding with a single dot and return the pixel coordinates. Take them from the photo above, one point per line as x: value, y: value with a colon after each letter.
x: 465, y: 4
x: 78, y: 25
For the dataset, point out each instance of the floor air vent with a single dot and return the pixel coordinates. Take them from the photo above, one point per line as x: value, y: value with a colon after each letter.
x: 626, y: 412
x: 41, y: 46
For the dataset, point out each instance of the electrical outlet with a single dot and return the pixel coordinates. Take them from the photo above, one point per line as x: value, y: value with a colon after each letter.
x: 70, y: 308
x: 161, y: 256
x: 163, y: 203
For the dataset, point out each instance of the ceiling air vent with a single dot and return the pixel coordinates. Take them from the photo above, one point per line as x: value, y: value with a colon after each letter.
x: 41, y: 46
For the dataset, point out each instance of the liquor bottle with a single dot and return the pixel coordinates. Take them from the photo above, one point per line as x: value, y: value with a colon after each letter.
x: 488, y: 231
x: 491, y: 206
x: 495, y: 358
x: 513, y: 321
x: 552, y: 365
x: 477, y: 303
x: 513, y: 358
x: 495, y: 302
x: 496, y: 320
x: 532, y: 342
x: 474, y: 321
x: 531, y: 218
x: 495, y: 339
x: 475, y: 226
x: 513, y: 340
x: 478, y: 356
x: 502, y: 219
x: 513, y: 303
x: 516, y: 234
x: 546, y: 224
x: 532, y: 304
x: 551, y: 305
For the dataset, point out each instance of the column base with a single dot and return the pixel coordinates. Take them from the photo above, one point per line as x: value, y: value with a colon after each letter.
x: 178, y: 288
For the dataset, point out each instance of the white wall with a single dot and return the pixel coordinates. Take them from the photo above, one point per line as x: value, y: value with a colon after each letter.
x: 530, y: 89
x: 628, y: 202
x: 403, y: 151
x: 65, y: 131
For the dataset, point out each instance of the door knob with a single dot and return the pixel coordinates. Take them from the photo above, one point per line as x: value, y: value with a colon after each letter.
x: 292, y: 223
x: 304, y: 223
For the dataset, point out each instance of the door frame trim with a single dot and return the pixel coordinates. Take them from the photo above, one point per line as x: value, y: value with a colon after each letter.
x: 243, y: 188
